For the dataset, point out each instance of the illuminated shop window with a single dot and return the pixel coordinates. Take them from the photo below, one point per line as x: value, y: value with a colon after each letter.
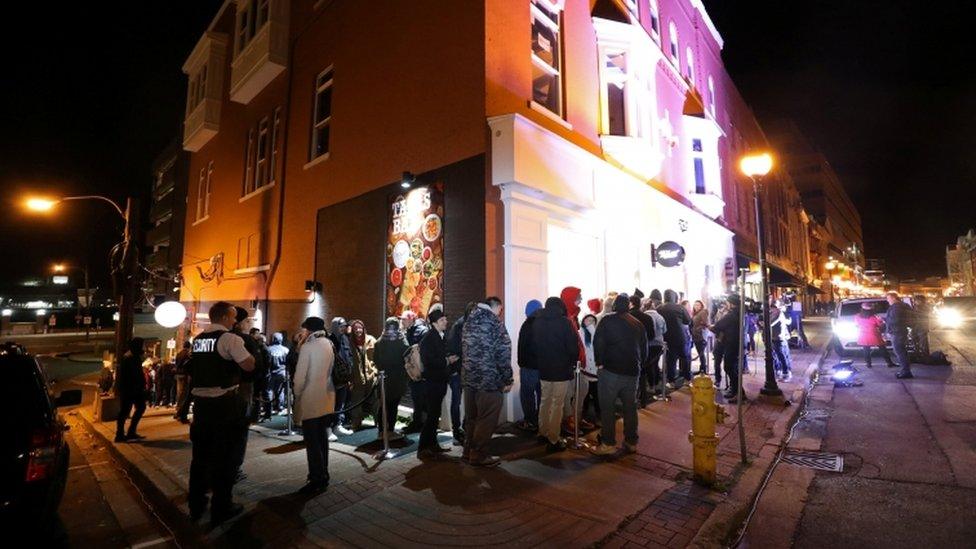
x: 322, y: 114
x: 673, y: 36
x: 547, y: 56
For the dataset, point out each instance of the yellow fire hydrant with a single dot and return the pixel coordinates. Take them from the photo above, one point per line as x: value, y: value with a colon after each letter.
x: 705, y: 413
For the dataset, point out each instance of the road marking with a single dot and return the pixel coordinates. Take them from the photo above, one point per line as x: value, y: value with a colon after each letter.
x: 150, y: 543
x: 86, y: 465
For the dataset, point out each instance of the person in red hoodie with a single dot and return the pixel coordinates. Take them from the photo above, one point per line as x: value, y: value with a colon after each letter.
x: 572, y: 297
x: 869, y: 334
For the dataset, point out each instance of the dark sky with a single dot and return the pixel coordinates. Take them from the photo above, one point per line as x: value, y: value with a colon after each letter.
x: 886, y: 89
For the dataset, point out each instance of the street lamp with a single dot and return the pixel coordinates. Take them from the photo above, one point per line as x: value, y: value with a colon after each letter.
x: 755, y: 167
x: 126, y: 268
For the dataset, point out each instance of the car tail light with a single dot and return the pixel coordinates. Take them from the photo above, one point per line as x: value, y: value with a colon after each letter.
x: 43, y: 454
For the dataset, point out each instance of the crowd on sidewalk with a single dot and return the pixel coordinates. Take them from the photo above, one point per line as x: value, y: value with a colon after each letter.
x: 575, y: 372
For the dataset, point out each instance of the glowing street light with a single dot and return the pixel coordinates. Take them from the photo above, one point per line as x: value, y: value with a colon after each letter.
x: 756, y: 167
x: 37, y: 204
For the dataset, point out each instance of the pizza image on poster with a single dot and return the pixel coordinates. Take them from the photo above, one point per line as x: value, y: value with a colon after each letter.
x: 415, y: 250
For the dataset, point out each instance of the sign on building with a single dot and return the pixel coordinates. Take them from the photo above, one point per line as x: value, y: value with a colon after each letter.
x: 415, y: 250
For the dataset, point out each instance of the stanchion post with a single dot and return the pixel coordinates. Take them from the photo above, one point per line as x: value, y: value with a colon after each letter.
x: 290, y: 429
x: 385, y: 453
x: 577, y: 443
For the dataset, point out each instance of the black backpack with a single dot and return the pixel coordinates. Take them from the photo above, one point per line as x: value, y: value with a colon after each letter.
x: 341, y: 370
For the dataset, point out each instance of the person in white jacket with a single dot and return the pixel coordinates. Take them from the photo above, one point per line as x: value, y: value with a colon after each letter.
x: 315, y: 401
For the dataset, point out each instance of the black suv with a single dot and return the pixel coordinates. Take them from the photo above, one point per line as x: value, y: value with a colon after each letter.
x: 34, y: 457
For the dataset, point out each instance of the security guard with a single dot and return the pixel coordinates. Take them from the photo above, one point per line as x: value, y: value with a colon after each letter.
x: 218, y: 360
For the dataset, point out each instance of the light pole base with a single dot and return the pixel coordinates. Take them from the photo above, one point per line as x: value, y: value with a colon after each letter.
x: 384, y: 455
x: 776, y: 398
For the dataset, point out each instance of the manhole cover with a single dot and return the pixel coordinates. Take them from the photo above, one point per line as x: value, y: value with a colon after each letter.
x: 815, y: 460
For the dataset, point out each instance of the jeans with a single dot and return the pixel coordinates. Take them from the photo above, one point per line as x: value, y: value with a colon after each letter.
x: 455, y: 386
x: 126, y: 405
x: 434, y: 397
x: 341, y: 398
x: 551, y: 410
x: 731, y: 362
x: 718, y: 352
x: 611, y: 387
x: 530, y: 394
x: 591, y: 398
x: 652, y: 370
x: 417, y: 397
x: 481, y: 411
x: 781, y: 352
x: 677, y: 361
x: 797, y: 320
x: 701, y: 349
x: 276, y: 386
x: 900, y: 344
x: 315, y: 431
x: 884, y: 354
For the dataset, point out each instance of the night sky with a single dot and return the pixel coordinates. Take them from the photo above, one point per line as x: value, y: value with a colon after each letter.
x: 886, y: 89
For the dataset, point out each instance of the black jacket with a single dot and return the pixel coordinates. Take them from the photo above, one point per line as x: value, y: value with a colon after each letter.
x: 433, y: 354
x: 555, y: 344
x: 454, y: 338
x: 898, y: 318
x: 526, y: 349
x: 130, y: 380
x: 728, y: 329
x: 620, y: 344
x: 646, y: 321
x: 675, y: 316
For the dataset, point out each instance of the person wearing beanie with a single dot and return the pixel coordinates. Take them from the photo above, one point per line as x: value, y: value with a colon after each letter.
x: 363, y: 374
x: 247, y: 385
x: 595, y: 306
x: 339, y: 334
x: 454, y: 348
x: 556, y: 354
x: 315, y: 401
x: 677, y: 319
x: 620, y: 348
x: 727, y: 331
x: 388, y: 356
x: 278, y: 354
x: 437, y: 374
x: 530, y: 388
x: 644, y: 387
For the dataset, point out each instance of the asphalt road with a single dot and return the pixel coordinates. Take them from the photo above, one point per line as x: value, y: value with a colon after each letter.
x: 909, y: 447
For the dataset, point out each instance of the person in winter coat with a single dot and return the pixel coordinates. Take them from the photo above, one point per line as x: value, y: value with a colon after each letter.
x: 644, y: 388
x: 779, y: 326
x: 415, y: 329
x: 699, y: 327
x: 486, y: 376
x: 607, y: 306
x: 728, y: 331
x: 530, y: 388
x: 278, y: 354
x: 589, y: 385
x: 595, y: 306
x: 620, y: 347
x: 572, y: 297
x: 437, y: 374
x: 388, y: 356
x: 677, y: 318
x: 132, y: 389
x: 314, y: 400
x: 454, y: 349
x: 183, y: 384
x: 555, y: 343
x: 341, y: 342
x: 869, y: 334
x: 897, y: 321
x: 363, y: 374
x: 655, y: 346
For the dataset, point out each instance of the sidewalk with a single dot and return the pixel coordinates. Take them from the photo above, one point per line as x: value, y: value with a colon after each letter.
x: 572, y: 499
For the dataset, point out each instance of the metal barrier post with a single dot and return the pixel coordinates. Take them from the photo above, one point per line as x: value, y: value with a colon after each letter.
x: 385, y: 453
x: 577, y: 444
x: 290, y: 429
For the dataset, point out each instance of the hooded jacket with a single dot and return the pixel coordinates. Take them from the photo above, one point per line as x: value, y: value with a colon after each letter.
x: 555, y: 342
x: 487, y: 352
x: 278, y: 354
x: 675, y: 317
x: 620, y: 343
x: 569, y: 296
x: 526, y: 349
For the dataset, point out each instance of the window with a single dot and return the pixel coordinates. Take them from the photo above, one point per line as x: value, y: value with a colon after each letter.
x: 252, y: 15
x: 673, y: 35
x: 202, y: 84
x: 655, y: 20
x: 261, y: 153
x: 632, y: 8
x: 546, y: 56
x: 698, y: 161
x: 197, y: 90
x: 711, y: 96
x: 275, y: 131
x: 261, y: 162
x: 321, y: 114
x: 615, y: 71
x: 690, y: 66
x: 248, y: 185
x: 203, y: 192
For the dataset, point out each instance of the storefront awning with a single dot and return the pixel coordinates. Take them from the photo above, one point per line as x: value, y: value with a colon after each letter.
x: 777, y: 276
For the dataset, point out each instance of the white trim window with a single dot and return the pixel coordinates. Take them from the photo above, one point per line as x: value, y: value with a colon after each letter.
x: 689, y: 72
x: 698, y: 165
x: 673, y: 48
x: 633, y: 9
x: 275, y: 132
x: 252, y: 15
x: 655, y: 20
x: 262, y: 158
x: 711, y: 96
x: 203, y: 191
x: 321, y: 114
x: 197, y: 90
x: 547, y: 79
x: 248, y: 184
x: 616, y: 92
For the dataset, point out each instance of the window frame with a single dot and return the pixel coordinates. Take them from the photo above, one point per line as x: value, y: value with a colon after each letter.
x: 540, y: 10
x: 674, y: 49
x: 204, y: 192
x: 262, y: 157
x: 655, y: 17
x: 689, y: 65
x: 275, y: 132
x: 711, y: 96
x: 249, y: 149
x: 320, y: 86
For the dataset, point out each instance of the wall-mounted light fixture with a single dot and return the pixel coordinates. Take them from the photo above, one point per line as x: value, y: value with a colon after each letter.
x: 407, y: 180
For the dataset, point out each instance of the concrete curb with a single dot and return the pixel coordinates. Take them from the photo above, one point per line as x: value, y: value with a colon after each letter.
x: 159, y: 490
x: 725, y: 520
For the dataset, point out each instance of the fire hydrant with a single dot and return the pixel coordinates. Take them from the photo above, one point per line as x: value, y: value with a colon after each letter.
x: 705, y: 413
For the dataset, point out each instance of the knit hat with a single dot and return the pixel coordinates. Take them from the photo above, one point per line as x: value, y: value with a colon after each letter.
x: 638, y: 294
x: 532, y: 306
x: 314, y: 324
x: 241, y: 314
x: 733, y: 299
x: 621, y: 304
x: 435, y: 315
x: 595, y: 305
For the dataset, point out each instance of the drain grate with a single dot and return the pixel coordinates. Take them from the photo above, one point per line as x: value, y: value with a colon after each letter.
x: 821, y: 461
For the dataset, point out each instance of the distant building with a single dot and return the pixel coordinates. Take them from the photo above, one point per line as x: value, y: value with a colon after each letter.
x: 961, y: 265
x: 167, y: 214
x: 932, y: 287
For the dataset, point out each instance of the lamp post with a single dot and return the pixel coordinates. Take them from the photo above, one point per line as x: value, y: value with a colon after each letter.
x: 124, y: 273
x: 830, y: 266
x: 755, y: 167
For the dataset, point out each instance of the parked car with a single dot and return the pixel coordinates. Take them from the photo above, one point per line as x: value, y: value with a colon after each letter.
x: 34, y: 459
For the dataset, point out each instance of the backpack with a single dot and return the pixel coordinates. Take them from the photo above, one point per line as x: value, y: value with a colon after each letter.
x: 412, y: 363
x: 341, y: 370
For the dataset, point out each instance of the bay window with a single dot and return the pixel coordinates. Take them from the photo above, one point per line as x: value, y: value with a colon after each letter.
x: 547, y: 82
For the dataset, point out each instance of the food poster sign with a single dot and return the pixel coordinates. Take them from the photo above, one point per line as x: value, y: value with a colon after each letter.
x: 415, y: 250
